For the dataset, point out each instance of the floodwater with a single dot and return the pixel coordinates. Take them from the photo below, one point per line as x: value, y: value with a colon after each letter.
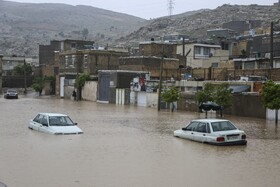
x: 127, y: 146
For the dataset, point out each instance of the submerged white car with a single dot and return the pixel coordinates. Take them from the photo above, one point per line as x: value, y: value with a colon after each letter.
x: 212, y: 131
x: 54, y: 123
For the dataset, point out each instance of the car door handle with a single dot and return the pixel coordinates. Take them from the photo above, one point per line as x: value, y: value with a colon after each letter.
x: 204, y: 135
x: 192, y: 133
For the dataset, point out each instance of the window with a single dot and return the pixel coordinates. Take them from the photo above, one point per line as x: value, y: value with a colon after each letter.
x: 191, y: 126
x: 249, y: 65
x: 38, y: 118
x: 197, y: 50
x: 201, y: 127
x: 45, y: 120
x: 60, y: 121
x: 215, y: 64
x: 222, y: 126
x: 73, y: 45
x: 206, y: 51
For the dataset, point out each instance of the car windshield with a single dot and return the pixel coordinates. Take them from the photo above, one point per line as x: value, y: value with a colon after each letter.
x: 222, y: 126
x: 60, y: 121
x: 11, y: 91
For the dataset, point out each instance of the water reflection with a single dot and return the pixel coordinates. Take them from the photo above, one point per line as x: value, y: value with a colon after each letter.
x: 129, y: 146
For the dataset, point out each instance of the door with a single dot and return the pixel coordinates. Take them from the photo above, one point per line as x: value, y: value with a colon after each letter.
x: 44, y: 127
x: 36, y: 124
x: 200, y: 132
x: 104, y: 87
x: 188, y: 132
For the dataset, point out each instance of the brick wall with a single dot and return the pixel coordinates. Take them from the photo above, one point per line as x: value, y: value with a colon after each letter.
x: 223, y: 74
x: 152, y: 65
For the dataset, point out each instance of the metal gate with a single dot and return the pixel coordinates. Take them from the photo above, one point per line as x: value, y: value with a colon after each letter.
x: 104, y: 84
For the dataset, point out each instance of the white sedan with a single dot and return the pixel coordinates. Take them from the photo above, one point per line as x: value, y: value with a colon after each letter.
x: 54, y: 123
x: 212, y: 131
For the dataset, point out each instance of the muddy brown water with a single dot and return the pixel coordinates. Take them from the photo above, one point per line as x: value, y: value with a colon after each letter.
x: 127, y: 146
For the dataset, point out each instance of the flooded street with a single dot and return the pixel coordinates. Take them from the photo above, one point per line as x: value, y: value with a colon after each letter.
x: 127, y: 146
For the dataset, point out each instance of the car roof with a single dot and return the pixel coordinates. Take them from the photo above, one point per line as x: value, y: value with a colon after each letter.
x: 210, y: 120
x: 53, y: 114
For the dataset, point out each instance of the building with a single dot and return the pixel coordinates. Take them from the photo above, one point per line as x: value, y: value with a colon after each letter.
x: 221, y: 33
x: 47, y: 52
x: 7, y: 72
x: 202, y: 55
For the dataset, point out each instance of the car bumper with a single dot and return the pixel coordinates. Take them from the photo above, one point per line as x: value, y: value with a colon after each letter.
x: 240, y: 142
x: 11, y: 97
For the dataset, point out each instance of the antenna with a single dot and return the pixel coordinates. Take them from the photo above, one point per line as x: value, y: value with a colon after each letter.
x: 170, y: 4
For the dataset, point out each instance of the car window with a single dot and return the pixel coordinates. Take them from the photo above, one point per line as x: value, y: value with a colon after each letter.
x: 60, y: 121
x: 45, y: 120
x: 191, y: 126
x: 201, y: 127
x: 38, y: 118
x: 222, y: 126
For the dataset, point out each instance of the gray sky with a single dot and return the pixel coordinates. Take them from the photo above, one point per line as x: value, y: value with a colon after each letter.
x: 152, y: 8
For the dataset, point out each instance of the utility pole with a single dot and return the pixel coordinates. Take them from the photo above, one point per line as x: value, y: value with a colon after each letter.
x: 1, y: 63
x: 160, y: 77
x: 271, y: 46
x: 24, y: 70
x: 170, y: 4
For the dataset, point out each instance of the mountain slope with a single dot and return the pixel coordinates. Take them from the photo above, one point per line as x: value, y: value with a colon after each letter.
x: 22, y: 24
x: 196, y: 25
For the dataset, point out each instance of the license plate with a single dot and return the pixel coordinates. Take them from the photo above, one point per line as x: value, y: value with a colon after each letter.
x: 232, y: 137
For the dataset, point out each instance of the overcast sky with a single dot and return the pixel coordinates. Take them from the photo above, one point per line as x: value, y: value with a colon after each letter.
x: 153, y: 8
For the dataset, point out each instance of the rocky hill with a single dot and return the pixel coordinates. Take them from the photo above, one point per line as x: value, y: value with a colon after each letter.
x: 25, y: 25
x: 195, y: 25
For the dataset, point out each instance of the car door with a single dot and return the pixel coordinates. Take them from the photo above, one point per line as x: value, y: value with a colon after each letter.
x: 44, y: 127
x: 200, y: 132
x: 188, y: 132
x: 36, y: 122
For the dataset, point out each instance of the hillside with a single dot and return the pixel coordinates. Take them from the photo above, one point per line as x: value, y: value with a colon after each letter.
x: 195, y: 25
x: 25, y: 25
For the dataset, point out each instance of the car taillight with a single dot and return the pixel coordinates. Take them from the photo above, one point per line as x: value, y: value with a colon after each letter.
x: 243, y: 137
x: 220, y: 139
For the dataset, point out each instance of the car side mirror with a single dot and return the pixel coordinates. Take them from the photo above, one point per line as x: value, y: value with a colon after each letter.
x: 184, y: 128
x: 44, y: 124
x: 75, y: 123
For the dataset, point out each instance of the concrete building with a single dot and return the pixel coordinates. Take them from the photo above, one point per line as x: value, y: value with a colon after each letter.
x: 9, y: 63
x: 203, y: 55
x: 221, y: 33
x: 47, y: 52
x: 152, y: 65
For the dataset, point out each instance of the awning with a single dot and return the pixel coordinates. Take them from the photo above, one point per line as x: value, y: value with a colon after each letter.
x: 239, y: 88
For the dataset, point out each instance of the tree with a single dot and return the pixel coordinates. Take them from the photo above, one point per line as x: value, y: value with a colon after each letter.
x: 223, y: 96
x: 271, y: 97
x: 220, y: 95
x: 206, y: 94
x: 170, y: 96
x: 19, y: 69
x: 80, y: 82
x: 38, y: 85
